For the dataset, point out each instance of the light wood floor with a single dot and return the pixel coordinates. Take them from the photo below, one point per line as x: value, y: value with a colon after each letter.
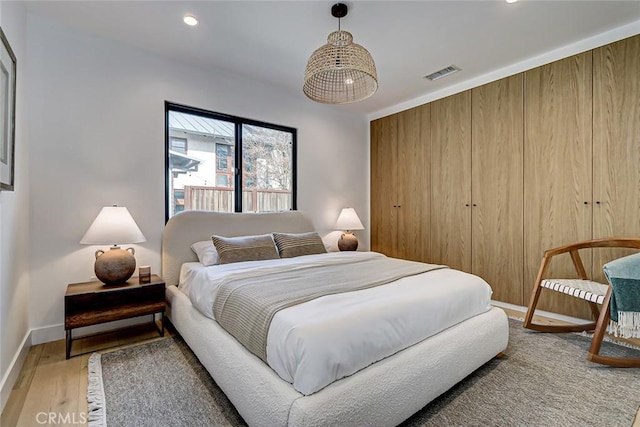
x: 49, y: 384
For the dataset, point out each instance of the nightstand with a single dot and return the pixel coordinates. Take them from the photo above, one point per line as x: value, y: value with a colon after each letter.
x: 92, y: 303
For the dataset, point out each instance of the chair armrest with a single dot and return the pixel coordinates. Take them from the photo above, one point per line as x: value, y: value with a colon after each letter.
x: 609, y: 242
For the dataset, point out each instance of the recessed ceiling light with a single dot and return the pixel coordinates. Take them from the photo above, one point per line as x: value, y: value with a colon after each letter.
x: 190, y: 20
x: 442, y: 73
x: 511, y: 1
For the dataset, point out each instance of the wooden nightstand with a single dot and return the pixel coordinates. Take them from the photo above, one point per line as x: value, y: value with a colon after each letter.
x: 91, y: 303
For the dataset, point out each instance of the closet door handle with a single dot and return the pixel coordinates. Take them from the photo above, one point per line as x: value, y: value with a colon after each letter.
x: 466, y: 204
x: 586, y: 203
x: 475, y: 204
x: 598, y: 202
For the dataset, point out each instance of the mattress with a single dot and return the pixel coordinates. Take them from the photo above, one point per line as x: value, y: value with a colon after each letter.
x: 318, y: 342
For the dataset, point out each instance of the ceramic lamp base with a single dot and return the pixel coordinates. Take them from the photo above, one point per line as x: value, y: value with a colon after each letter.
x: 348, y: 242
x: 116, y: 266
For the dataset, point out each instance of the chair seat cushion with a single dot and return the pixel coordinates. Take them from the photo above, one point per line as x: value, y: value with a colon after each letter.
x: 584, y: 289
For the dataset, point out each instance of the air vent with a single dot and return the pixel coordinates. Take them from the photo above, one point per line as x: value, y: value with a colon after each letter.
x: 442, y: 73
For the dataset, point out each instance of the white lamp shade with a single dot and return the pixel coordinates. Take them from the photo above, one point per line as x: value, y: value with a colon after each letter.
x: 114, y: 225
x: 348, y: 220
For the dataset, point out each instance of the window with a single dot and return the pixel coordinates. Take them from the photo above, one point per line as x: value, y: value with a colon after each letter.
x: 223, y: 156
x: 179, y: 144
x: 202, y: 149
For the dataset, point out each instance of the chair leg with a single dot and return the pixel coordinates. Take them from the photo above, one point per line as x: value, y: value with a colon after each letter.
x: 598, y: 336
x: 544, y: 266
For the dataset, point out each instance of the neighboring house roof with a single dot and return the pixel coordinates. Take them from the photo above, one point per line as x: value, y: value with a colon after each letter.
x: 200, y: 125
x: 181, y: 163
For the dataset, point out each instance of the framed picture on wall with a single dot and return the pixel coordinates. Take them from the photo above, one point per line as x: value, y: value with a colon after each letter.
x: 7, y: 114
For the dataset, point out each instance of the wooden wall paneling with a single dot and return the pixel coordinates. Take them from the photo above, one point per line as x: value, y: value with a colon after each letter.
x: 450, y: 240
x: 414, y: 183
x: 497, y: 187
x: 616, y: 146
x: 384, y: 185
x: 557, y: 170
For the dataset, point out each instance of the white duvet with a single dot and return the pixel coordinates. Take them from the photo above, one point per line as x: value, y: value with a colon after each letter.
x: 315, y: 343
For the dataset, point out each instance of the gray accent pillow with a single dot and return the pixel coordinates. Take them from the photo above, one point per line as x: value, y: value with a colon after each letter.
x: 245, y: 248
x: 293, y: 245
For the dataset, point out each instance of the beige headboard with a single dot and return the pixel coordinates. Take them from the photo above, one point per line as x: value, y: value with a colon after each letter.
x: 189, y: 227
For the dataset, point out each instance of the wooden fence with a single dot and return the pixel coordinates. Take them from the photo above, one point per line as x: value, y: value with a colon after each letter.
x: 220, y: 199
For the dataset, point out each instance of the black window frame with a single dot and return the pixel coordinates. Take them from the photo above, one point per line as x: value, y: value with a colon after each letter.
x: 238, y: 123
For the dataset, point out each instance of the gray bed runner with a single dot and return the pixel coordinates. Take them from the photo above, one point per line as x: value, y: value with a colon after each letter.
x: 245, y: 306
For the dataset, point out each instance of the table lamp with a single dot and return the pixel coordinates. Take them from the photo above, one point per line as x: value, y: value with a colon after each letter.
x: 114, y: 225
x: 348, y: 220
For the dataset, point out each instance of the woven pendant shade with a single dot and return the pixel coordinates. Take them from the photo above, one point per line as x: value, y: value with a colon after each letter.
x: 340, y: 71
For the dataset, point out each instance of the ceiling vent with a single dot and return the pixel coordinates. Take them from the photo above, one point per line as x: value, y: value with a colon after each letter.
x: 442, y: 73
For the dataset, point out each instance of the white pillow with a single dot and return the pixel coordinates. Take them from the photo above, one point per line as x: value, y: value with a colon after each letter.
x: 206, y: 252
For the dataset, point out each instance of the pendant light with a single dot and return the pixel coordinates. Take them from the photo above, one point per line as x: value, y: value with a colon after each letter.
x: 341, y: 71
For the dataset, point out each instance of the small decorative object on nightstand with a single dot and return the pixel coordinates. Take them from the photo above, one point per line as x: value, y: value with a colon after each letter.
x: 91, y: 303
x: 144, y: 274
x: 114, y: 225
x: 348, y: 220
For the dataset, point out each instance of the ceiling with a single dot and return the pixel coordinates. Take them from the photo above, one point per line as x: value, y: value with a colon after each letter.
x: 271, y: 41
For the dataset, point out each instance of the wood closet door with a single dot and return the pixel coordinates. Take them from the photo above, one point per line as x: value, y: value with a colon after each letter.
x: 450, y: 240
x: 384, y: 159
x: 558, y: 171
x: 497, y: 187
x: 414, y: 183
x: 616, y: 146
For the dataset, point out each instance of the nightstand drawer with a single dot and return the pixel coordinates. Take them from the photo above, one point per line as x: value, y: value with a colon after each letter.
x: 114, y: 298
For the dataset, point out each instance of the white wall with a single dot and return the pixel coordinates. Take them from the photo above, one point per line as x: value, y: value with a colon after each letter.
x: 96, y: 110
x: 14, y: 225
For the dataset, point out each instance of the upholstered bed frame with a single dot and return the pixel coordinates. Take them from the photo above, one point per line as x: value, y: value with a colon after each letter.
x: 383, y: 394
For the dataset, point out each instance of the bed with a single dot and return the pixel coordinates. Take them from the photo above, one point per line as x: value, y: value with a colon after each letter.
x: 384, y: 393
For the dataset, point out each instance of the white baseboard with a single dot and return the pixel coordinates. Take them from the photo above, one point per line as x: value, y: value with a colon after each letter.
x: 548, y: 314
x: 11, y: 376
x: 47, y: 334
x: 56, y: 332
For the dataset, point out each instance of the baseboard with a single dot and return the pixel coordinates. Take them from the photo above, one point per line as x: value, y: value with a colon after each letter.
x: 548, y: 314
x: 46, y: 334
x: 56, y: 332
x: 11, y: 376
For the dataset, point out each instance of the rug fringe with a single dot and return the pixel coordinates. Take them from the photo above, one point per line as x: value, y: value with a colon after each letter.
x: 97, y: 416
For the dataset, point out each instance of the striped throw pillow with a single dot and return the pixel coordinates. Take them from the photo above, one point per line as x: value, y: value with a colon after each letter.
x: 245, y: 248
x: 293, y: 245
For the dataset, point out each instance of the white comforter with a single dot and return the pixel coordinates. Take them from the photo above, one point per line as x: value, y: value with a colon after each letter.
x: 315, y: 343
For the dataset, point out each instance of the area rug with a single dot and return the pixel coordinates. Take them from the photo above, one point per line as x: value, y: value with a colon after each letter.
x: 543, y: 380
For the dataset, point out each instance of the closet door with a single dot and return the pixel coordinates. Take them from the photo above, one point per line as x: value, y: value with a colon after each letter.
x: 450, y: 240
x: 414, y: 183
x: 616, y: 146
x: 558, y: 171
x: 497, y: 185
x: 384, y: 160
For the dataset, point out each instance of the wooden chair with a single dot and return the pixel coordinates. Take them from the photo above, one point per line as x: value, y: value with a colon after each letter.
x: 593, y: 292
